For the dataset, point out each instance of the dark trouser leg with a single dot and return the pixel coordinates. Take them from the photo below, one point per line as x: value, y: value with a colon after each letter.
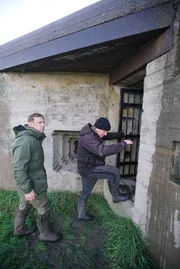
x: 112, y: 174
x: 100, y: 172
x: 87, y: 186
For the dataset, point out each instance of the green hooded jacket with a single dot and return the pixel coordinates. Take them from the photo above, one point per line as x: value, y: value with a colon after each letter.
x: 28, y: 160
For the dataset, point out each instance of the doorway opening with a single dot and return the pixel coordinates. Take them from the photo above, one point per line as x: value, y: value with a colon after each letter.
x: 130, y: 124
x: 130, y: 114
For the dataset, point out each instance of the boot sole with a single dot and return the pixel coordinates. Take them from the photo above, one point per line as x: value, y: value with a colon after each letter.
x: 46, y: 240
x: 115, y: 202
x: 84, y: 219
x: 15, y: 234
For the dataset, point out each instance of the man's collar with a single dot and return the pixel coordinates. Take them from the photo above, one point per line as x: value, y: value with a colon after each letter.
x: 93, y: 129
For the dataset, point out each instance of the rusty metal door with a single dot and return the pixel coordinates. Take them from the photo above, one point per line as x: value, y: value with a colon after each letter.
x: 130, y: 124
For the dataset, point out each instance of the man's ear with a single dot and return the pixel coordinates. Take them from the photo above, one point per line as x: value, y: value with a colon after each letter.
x: 31, y: 123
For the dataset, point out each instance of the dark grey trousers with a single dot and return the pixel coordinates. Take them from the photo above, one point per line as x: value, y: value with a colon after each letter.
x: 111, y: 173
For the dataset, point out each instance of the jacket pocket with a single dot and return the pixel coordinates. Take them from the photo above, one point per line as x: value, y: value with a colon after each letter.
x: 40, y: 185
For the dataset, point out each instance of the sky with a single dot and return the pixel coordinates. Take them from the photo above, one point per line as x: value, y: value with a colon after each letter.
x: 19, y: 17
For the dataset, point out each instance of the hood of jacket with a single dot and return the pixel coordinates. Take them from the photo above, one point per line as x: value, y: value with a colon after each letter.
x: 88, y: 129
x: 22, y: 130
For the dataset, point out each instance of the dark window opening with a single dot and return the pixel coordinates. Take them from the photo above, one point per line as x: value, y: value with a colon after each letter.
x: 65, y: 145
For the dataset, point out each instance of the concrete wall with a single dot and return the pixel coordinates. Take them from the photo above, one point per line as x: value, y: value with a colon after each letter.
x: 157, y: 199
x: 5, y: 136
x: 68, y: 102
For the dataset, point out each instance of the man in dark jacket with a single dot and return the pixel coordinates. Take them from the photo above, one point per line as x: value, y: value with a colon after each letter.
x: 30, y: 178
x: 91, y: 156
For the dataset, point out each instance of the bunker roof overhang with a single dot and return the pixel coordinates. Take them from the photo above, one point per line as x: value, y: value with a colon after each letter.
x: 96, y: 39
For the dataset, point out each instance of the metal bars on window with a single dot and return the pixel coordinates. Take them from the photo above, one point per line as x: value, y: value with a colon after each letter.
x: 130, y: 124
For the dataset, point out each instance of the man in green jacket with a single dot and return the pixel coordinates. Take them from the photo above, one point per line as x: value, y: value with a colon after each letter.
x: 30, y: 178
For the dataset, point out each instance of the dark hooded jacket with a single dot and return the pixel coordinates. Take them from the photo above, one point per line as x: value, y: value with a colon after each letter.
x: 92, y: 151
x: 28, y: 160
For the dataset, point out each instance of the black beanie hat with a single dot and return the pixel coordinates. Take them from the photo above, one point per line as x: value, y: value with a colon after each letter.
x: 103, y: 124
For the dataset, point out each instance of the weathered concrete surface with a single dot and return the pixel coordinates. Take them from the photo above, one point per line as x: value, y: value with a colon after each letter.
x: 157, y: 199
x: 68, y: 102
x: 5, y: 137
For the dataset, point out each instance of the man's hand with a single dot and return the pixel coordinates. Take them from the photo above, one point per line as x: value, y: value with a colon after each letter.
x: 129, y: 142
x: 30, y: 196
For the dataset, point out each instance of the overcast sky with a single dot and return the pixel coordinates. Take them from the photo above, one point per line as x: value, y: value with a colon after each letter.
x: 19, y: 17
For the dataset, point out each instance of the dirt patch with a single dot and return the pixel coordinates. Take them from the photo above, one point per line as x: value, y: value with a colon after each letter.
x: 82, y: 245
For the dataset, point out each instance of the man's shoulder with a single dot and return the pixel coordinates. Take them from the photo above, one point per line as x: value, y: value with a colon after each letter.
x: 89, y: 137
x: 25, y: 139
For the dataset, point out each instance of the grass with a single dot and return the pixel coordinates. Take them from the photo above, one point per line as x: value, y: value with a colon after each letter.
x: 108, y: 242
x: 124, y: 246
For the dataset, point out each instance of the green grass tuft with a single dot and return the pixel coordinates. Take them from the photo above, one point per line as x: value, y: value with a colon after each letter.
x: 124, y: 245
x: 9, y: 200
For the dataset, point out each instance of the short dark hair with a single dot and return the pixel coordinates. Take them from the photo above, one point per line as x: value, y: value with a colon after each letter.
x: 34, y: 115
